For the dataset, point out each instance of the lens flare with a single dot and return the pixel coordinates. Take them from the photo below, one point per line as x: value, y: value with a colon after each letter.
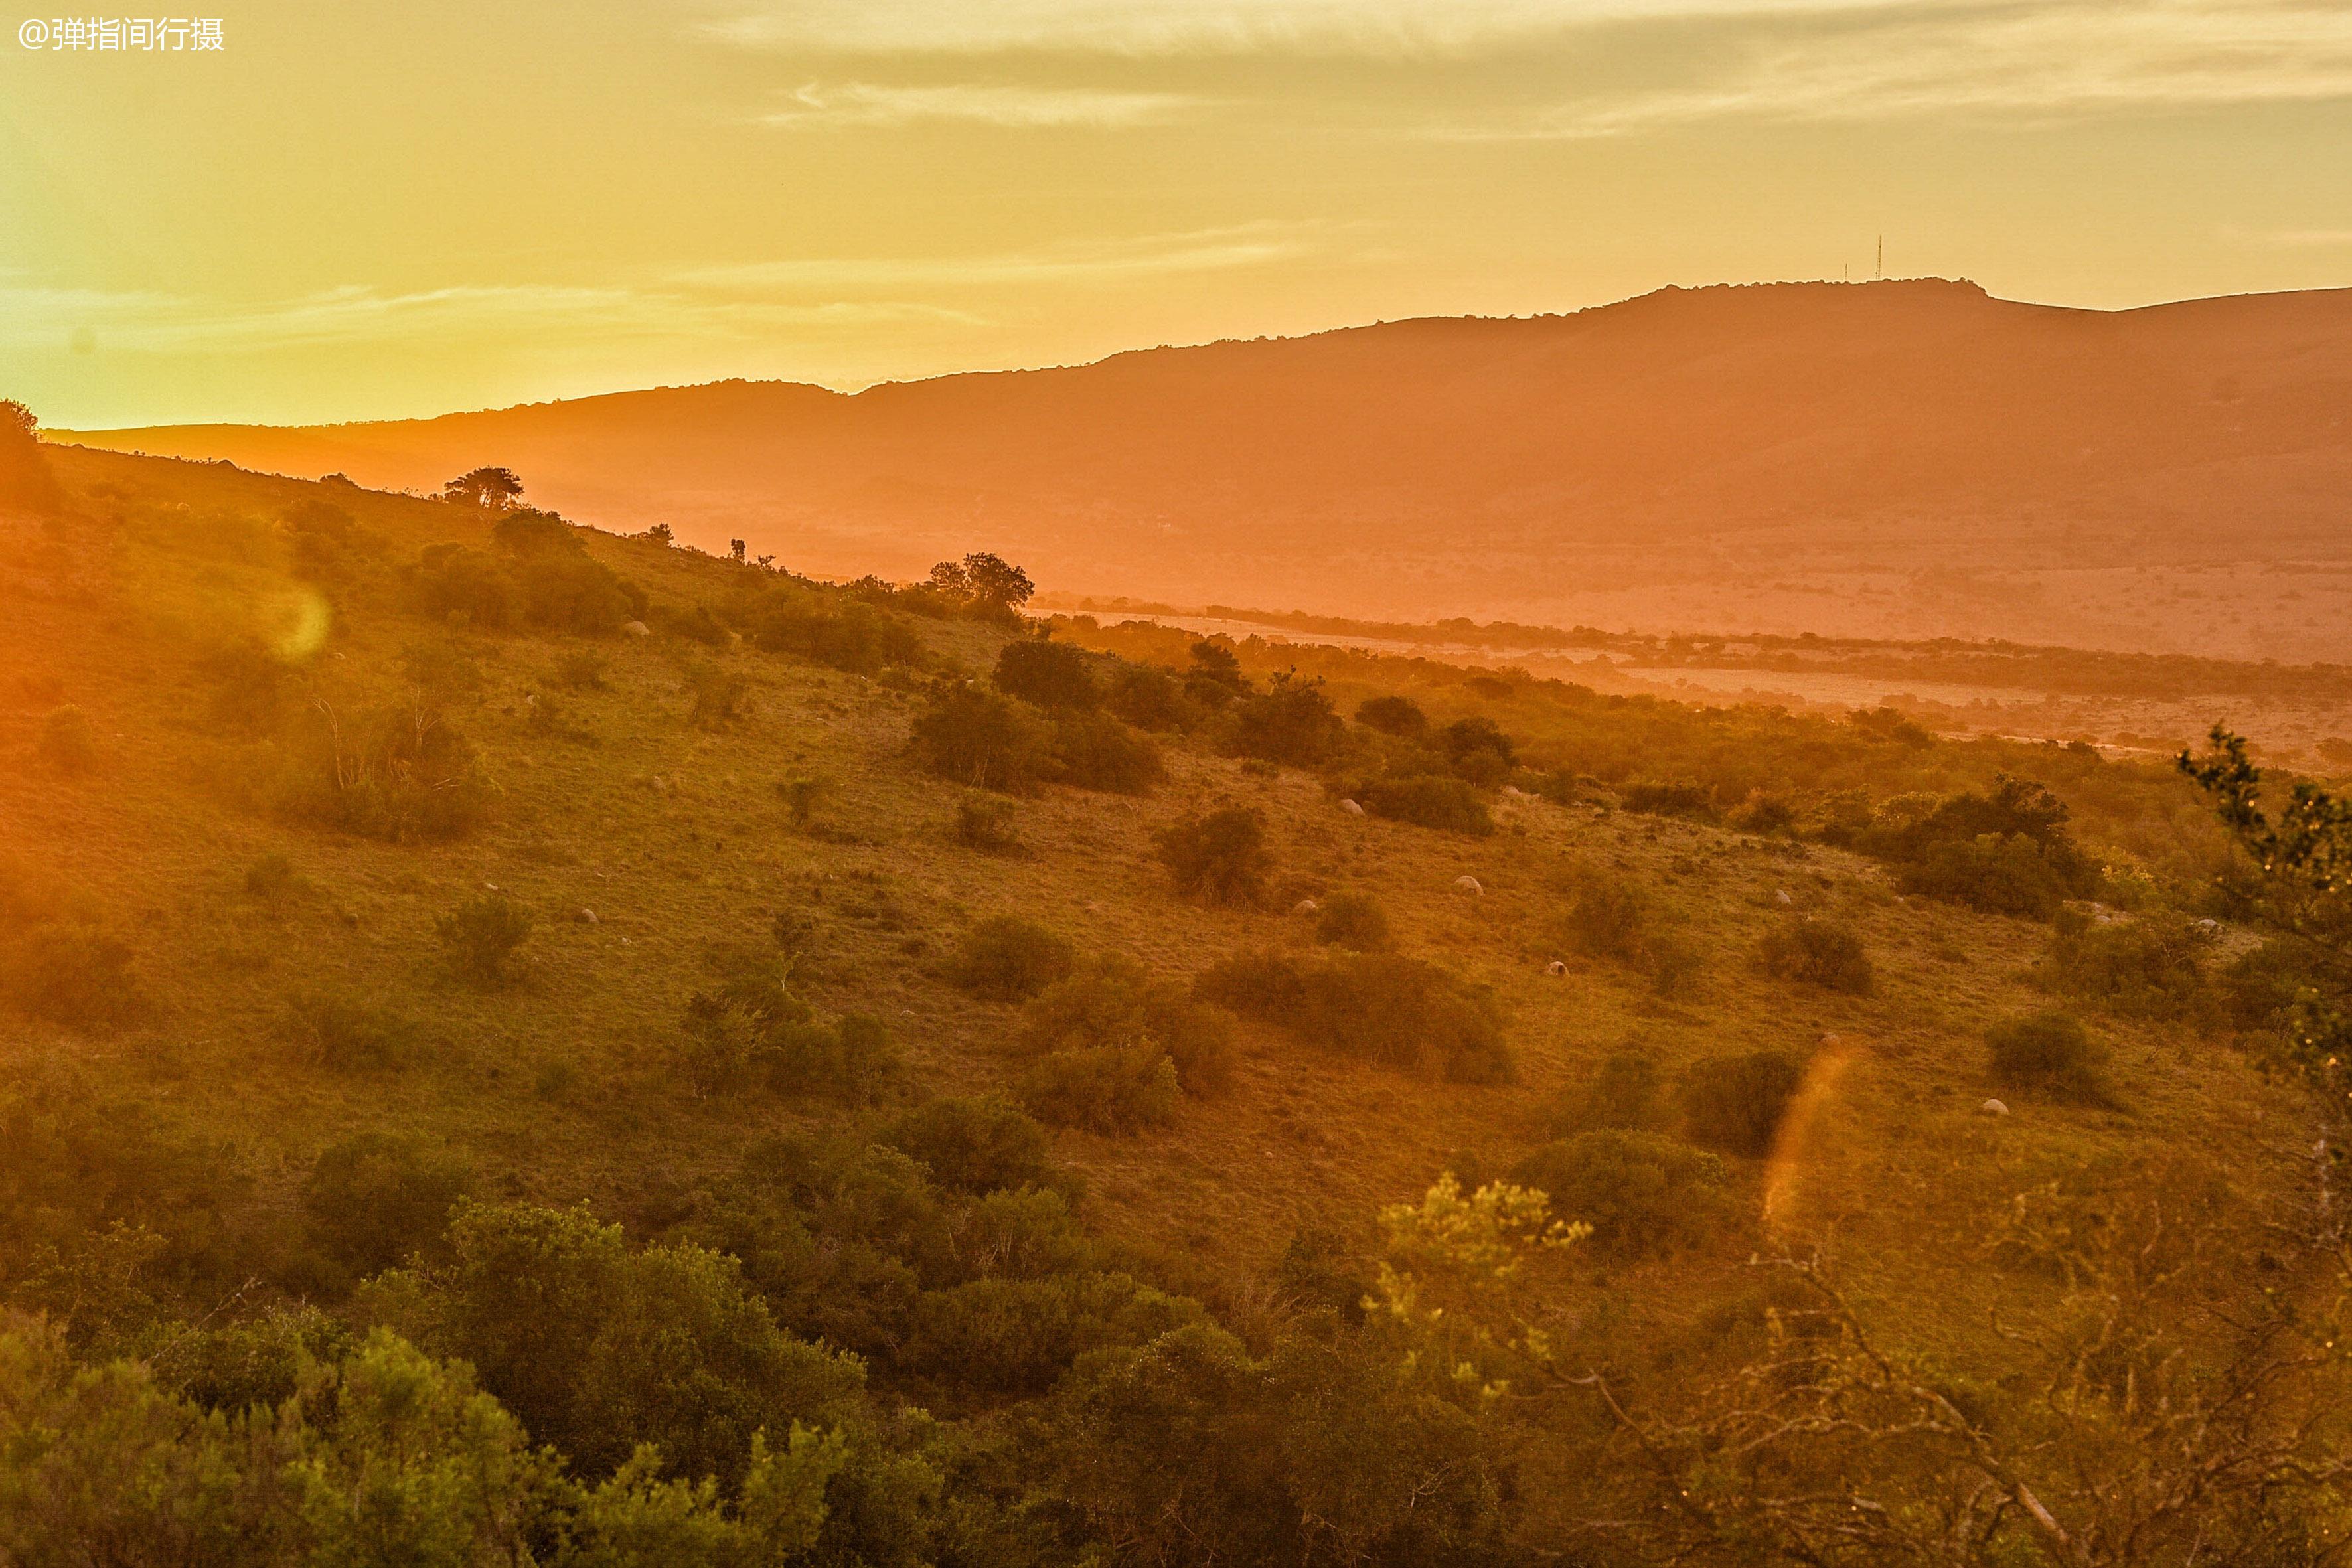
x: 297, y: 621
x: 1802, y: 1128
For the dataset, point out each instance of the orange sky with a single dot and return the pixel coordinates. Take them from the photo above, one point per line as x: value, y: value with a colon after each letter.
x: 406, y: 209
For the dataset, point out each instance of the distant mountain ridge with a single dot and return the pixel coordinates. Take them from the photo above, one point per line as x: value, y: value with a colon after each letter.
x: 1917, y: 441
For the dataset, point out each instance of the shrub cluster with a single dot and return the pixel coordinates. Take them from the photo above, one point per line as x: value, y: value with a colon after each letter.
x: 1352, y: 921
x: 2049, y: 1053
x: 1816, y: 953
x: 2007, y: 852
x: 1641, y: 1191
x: 1400, y: 1012
x: 748, y: 1027
x: 2151, y: 967
x: 1734, y: 1102
x: 1220, y: 857
x: 1007, y: 959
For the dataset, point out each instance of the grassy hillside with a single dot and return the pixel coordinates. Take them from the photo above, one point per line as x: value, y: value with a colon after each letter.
x: 222, y: 935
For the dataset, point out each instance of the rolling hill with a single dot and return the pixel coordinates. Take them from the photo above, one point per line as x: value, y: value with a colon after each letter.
x: 1901, y: 458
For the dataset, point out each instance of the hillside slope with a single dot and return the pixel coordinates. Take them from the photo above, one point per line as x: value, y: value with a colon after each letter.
x: 1900, y: 459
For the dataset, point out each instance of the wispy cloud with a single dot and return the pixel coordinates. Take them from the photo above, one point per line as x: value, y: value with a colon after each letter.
x: 1194, y: 26
x: 147, y: 322
x: 1200, y: 251
x: 2022, y: 61
x: 860, y: 104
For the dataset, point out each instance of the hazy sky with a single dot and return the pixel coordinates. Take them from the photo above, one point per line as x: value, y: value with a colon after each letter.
x: 353, y: 211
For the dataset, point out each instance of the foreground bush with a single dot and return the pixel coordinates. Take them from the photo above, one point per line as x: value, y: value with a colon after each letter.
x: 1004, y: 959
x: 1436, y: 800
x: 976, y: 738
x: 1352, y: 921
x: 1734, y: 1102
x: 479, y: 937
x: 1220, y: 857
x: 1400, y: 1012
x: 1639, y: 1192
x: 973, y: 1145
x: 74, y: 976
x: 1113, y: 1090
x: 1111, y: 1002
x: 2049, y: 1053
x: 1816, y: 953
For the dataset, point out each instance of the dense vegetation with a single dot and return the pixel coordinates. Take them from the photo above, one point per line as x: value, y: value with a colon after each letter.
x: 526, y: 1045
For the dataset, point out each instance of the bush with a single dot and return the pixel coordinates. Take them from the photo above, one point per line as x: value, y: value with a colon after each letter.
x: 1734, y: 1102
x: 1003, y: 959
x: 1050, y: 674
x: 1221, y: 856
x: 1816, y: 953
x: 405, y: 774
x: 1291, y: 721
x: 1352, y: 921
x: 717, y: 695
x: 842, y: 633
x: 1113, y: 1090
x: 1400, y: 1012
x: 2006, y: 853
x: 347, y: 1032
x: 74, y: 976
x: 1096, y: 752
x: 1016, y: 1336
x: 581, y: 670
x: 68, y: 740
x: 1150, y: 699
x: 1673, y: 797
x: 1621, y: 1093
x: 2152, y: 967
x: 973, y: 1145
x: 1477, y: 750
x: 986, y: 825
x: 481, y: 937
x: 1607, y: 916
x: 2049, y: 1053
x: 459, y: 583
x: 372, y: 1200
x: 1398, y: 716
x: 980, y: 739
x: 1639, y: 1192
x: 272, y: 879
x: 1429, y: 800
x: 1112, y: 1001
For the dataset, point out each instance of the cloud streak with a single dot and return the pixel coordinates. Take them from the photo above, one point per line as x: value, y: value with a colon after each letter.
x: 1009, y: 106
x: 1200, y: 251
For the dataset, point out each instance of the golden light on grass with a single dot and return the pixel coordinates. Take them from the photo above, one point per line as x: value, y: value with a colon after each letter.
x: 295, y: 622
x: 1798, y: 1142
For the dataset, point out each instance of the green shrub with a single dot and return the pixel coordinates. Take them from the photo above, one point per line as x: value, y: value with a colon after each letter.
x: 347, y: 1032
x: 481, y: 937
x: 1004, y: 959
x: 1623, y: 1092
x: 68, y: 740
x: 1669, y: 797
x: 405, y: 774
x: 1150, y: 699
x: 1352, y: 921
x: 1734, y: 1102
x: 984, y: 741
x: 1290, y: 722
x: 1429, y: 800
x: 841, y: 633
x: 581, y: 670
x: 1050, y: 674
x: 1398, y: 716
x: 1639, y: 1192
x: 2152, y: 967
x: 973, y: 1145
x: 74, y: 976
x: 464, y: 585
x: 718, y: 695
x: 1016, y: 1336
x: 1816, y: 953
x: 1477, y: 751
x: 1096, y: 752
x: 2049, y: 1053
x: 373, y: 1199
x: 1607, y: 915
x: 1115, y: 1090
x: 1220, y: 857
x: 985, y: 824
x: 2006, y: 853
x: 1399, y: 1012
x: 1112, y: 1001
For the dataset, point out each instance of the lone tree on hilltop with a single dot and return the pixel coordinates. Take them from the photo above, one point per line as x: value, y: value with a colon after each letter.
x: 987, y: 582
x: 492, y: 490
x: 25, y: 478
